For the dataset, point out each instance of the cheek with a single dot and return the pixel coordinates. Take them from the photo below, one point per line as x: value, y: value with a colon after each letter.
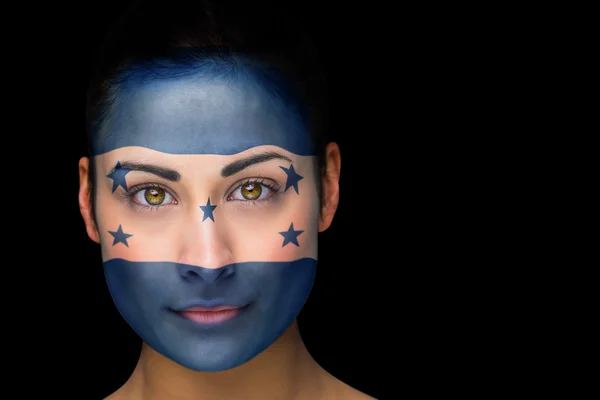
x: 154, y: 234
x: 255, y: 235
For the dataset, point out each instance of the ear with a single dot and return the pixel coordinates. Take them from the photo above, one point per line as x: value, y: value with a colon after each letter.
x: 330, y: 185
x: 85, y: 200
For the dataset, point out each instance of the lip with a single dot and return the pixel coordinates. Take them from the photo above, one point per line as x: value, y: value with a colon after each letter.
x: 211, y: 315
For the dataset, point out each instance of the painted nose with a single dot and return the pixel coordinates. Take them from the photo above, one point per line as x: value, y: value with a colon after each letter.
x: 209, y: 276
x: 204, y: 242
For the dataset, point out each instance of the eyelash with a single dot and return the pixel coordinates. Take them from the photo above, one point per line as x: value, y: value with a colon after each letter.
x: 272, y: 186
x: 134, y: 190
x: 130, y: 194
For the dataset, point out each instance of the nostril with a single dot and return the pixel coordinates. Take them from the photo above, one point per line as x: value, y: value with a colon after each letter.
x: 189, y: 273
x: 225, y: 273
x: 192, y: 273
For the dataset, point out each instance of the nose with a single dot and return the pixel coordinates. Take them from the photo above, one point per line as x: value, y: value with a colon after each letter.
x: 204, y: 243
x: 207, y: 276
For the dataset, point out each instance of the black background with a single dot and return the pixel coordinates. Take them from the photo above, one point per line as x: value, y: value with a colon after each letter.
x: 386, y: 311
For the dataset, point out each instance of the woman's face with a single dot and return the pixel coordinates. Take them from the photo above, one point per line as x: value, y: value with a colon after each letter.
x: 207, y: 212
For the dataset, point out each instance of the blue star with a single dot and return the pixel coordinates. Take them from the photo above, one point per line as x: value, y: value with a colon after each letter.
x: 290, y: 236
x: 208, y: 211
x: 120, y: 237
x: 118, y: 176
x: 292, y: 179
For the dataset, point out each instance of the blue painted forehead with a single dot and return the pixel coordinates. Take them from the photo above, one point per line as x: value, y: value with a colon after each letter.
x: 210, y: 105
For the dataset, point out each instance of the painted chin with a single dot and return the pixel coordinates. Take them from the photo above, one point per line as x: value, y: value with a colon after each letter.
x: 211, y: 316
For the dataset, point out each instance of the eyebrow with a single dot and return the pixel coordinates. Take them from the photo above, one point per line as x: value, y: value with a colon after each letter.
x: 165, y: 173
x: 239, y: 165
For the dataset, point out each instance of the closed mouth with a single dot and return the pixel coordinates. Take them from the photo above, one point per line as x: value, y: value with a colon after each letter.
x: 211, y: 315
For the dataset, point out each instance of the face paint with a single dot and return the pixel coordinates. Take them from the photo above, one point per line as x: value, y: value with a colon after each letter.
x: 153, y: 296
x: 292, y: 178
x: 213, y: 257
x: 120, y: 236
x: 208, y: 211
x: 262, y: 114
x: 290, y: 236
x: 118, y: 177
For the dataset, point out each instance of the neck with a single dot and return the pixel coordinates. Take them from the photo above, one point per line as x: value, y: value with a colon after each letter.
x: 280, y: 372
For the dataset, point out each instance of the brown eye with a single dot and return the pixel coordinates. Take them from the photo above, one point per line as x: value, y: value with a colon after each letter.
x: 251, y: 191
x: 150, y: 196
x: 154, y: 196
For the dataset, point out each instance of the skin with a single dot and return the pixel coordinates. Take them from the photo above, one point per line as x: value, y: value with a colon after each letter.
x: 260, y: 354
